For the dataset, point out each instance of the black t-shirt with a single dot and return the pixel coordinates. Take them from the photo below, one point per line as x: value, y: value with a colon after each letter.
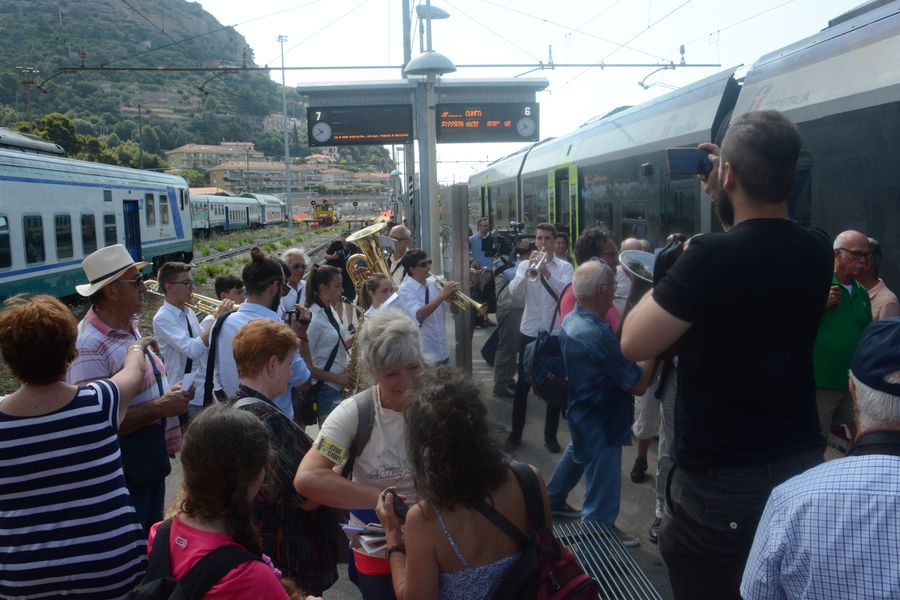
x: 754, y: 296
x: 343, y: 252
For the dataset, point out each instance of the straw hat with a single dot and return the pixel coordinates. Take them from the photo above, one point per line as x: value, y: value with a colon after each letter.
x: 105, y: 266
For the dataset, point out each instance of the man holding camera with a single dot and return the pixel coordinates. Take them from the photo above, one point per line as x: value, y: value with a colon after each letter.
x: 539, y: 282
x: 745, y: 410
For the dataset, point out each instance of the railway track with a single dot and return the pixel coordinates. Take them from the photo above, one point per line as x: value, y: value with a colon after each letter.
x: 311, y: 254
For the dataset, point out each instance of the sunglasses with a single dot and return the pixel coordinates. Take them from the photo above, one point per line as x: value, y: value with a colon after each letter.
x: 137, y: 281
x: 299, y: 267
x: 424, y: 263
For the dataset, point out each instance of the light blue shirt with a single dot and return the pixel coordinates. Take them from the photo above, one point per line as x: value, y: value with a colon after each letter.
x: 832, y: 532
x: 478, y: 254
x: 227, y: 368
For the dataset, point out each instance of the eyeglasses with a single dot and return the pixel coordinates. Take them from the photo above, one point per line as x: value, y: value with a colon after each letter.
x: 403, y: 239
x: 858, y: 255
x: 299, y: 266
x: 137, y: 281
x: 605, y: 266
x: 285, y: 288
x: 187, y: 282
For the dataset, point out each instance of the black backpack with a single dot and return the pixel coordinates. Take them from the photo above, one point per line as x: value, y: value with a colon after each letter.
x: 158, y: 583
x: 546, y: 570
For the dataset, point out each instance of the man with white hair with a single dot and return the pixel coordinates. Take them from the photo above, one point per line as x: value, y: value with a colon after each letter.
x: 295, y: 259
x: 402, y: 237
x: 833, y: 531
x: 601, y: 382
x: 847, y: 312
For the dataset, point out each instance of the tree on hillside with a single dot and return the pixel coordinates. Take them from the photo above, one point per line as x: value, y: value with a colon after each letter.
x: 58, y: 129
x: 194, y: 177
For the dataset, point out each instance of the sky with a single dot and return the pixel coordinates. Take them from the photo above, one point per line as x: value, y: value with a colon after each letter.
x: 370, y: 32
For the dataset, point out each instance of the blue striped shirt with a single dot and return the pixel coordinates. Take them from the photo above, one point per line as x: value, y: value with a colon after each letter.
x: 66, y: 520
x: 831, y: 532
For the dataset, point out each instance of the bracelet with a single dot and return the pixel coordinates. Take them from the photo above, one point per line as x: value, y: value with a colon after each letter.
x: 401, y: 548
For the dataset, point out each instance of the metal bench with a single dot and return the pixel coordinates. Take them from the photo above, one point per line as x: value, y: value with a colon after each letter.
x: 603, y: 557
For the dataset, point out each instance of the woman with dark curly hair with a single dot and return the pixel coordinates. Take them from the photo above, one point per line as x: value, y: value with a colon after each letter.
x: 457, y: 464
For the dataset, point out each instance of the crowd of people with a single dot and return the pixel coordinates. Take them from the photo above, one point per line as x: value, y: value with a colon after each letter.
x: 736, y: 357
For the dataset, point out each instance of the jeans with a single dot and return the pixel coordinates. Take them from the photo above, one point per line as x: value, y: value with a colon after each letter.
x: 564, y: 479
x: 328, y: 400
x: 710, y: 521
x: 148, y: 502
x: 666, y: 436
x: 520, y: 402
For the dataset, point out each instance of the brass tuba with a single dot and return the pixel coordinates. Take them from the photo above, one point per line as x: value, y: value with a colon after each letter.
x: 639, y: 265
x: 371, y: 259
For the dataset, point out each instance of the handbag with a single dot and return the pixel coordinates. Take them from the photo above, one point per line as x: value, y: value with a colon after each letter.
x: 545, y: 368
x: 489, y: 349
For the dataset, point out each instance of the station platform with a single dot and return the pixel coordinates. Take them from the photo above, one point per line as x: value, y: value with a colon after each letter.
x: 638, y: 500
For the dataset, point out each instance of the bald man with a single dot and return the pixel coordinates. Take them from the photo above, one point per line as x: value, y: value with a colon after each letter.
x: 401, y: 236
x: 847, y: 312
x: 623, y: 281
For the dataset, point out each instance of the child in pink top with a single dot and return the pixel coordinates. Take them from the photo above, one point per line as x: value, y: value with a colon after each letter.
x: 223, y: 461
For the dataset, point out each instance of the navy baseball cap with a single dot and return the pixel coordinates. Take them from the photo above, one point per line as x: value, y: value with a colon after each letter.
x: 876, y: 361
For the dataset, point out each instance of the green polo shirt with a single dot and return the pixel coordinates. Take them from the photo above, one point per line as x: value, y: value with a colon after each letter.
x: 839, y: 333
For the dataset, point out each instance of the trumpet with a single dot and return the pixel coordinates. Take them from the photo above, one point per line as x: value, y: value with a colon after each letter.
x: 198, y: 303
x: 534, y: 271
x: 460, y: 300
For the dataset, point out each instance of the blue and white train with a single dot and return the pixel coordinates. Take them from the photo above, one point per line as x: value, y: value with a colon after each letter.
x: 54, y: 211
x: 218, y: 213
x: 842, y: 89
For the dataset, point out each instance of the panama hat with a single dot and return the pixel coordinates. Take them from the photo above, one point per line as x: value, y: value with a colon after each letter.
x: 105, y: 266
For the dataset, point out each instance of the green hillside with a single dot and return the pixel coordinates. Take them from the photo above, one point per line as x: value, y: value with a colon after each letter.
x: 180, y: 107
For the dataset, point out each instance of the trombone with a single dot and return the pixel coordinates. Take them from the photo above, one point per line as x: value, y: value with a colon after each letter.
x: 460, y: 300
x: 198, y: 303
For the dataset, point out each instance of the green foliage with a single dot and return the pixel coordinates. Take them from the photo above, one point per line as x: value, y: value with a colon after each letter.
x: 194, y: 177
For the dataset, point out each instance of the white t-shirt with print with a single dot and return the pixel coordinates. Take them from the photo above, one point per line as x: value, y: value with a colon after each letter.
x: 384, y: 461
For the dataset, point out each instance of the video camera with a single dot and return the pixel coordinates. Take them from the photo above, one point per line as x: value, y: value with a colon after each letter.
x: 504, y: 243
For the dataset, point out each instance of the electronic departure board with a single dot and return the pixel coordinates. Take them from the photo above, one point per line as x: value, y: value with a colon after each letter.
x: 356, y: 125
x: 488, y: 122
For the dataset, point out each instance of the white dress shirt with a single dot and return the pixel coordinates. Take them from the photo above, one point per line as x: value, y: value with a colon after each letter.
x: 170, y: 327
x: 322, y: 339
x: 297, y: 295
x: 433, y: 332
x: 623, y: 286
x: 540, y: 306
x: 227, y: 368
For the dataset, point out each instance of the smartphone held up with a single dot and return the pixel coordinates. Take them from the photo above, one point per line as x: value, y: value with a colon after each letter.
x: 687, y: 162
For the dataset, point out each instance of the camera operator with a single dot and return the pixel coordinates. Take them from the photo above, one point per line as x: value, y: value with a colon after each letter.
x: 509, y: 319
x: 481, y: 266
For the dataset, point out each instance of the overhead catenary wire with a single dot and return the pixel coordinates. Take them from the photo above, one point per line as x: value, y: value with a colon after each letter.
x: 320, y: 30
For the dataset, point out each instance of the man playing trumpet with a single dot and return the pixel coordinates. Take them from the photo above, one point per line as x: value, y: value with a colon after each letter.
x: 427, y: 305
x: 183, y: 342
x: 539, y: 282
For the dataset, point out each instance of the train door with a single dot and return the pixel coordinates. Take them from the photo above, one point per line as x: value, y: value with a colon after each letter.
x: 131, y: 216
x: 487, y: 209
x: 248, y: 216
x: 562, y: 198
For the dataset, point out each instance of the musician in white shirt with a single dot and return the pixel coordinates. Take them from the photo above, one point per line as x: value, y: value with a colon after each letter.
x: 183, y: 342
x: 402, y: 237
x: 541, y: 302
x: 427, y: 304
x: 296, y: 260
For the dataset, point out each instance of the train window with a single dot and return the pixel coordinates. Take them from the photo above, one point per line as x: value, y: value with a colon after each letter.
x: 64, y: 247
x: 107, y: 195
x: 33, y: 226
x: 110, y: 233
x: 634, y: 222
x: 88, y: 234
x: 5, y: 251
x: 181, y: 199
x: 680, y: 209
x: 163, y: 210
x: 150, y: 206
